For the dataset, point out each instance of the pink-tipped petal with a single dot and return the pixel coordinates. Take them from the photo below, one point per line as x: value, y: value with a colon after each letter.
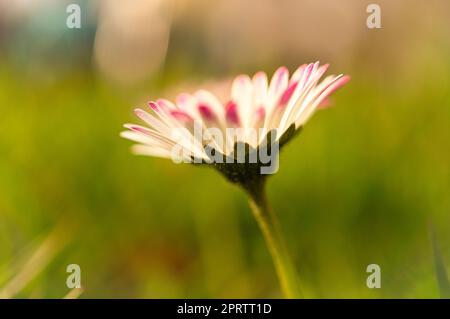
x: 207, y: 98
x: 280, y: 78
x: 281, y: 75
x: 182, y: 100
x: 231, y: 113
x: 307, y: 74
x: 151, y: 120
x: 331, y: 87
x: 297, y: 75
x: 260, y: 113
x: 278, y: 84
x: 260, y: 80
x: 181, y: 116
x: 153, y: 106
x: 338, y: 84
x: 241, y: 87
x: 324, y: 68
x: 319, y: 72
x: 325, y: 103
x: 288, y: 94
x: 165, y: 104
x: 138, y: 128
x: 206, y: 112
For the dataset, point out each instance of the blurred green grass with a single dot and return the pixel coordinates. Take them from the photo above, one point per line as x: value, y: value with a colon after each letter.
x: 358, y: 186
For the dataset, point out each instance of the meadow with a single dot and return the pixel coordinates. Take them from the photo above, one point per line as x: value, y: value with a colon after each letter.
x: 366, y: 182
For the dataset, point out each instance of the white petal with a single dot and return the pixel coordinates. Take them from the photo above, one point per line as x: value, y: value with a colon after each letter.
x: 278, y: 84
x: 151, y: 151
x: 307, y: 82
x: 209, y: 99
x: 325, y: 91
x: 143, y: 139
x: 260, y: 86
x: 152, y: 121
x: 242, y: 93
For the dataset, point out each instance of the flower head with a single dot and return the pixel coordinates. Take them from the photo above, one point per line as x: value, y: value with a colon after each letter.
x: 256, y: 109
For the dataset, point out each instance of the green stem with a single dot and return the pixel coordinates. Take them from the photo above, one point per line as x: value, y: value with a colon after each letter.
x: 269, y: 226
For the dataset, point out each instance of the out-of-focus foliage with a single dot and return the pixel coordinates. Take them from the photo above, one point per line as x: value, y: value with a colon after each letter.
x: 360, y: 185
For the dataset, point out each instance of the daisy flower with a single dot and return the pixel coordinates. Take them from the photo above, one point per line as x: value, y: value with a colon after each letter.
x: 254, y: 104
x: 276, y: 109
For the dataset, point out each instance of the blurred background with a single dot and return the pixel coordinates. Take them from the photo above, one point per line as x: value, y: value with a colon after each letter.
x: 364, y: 183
